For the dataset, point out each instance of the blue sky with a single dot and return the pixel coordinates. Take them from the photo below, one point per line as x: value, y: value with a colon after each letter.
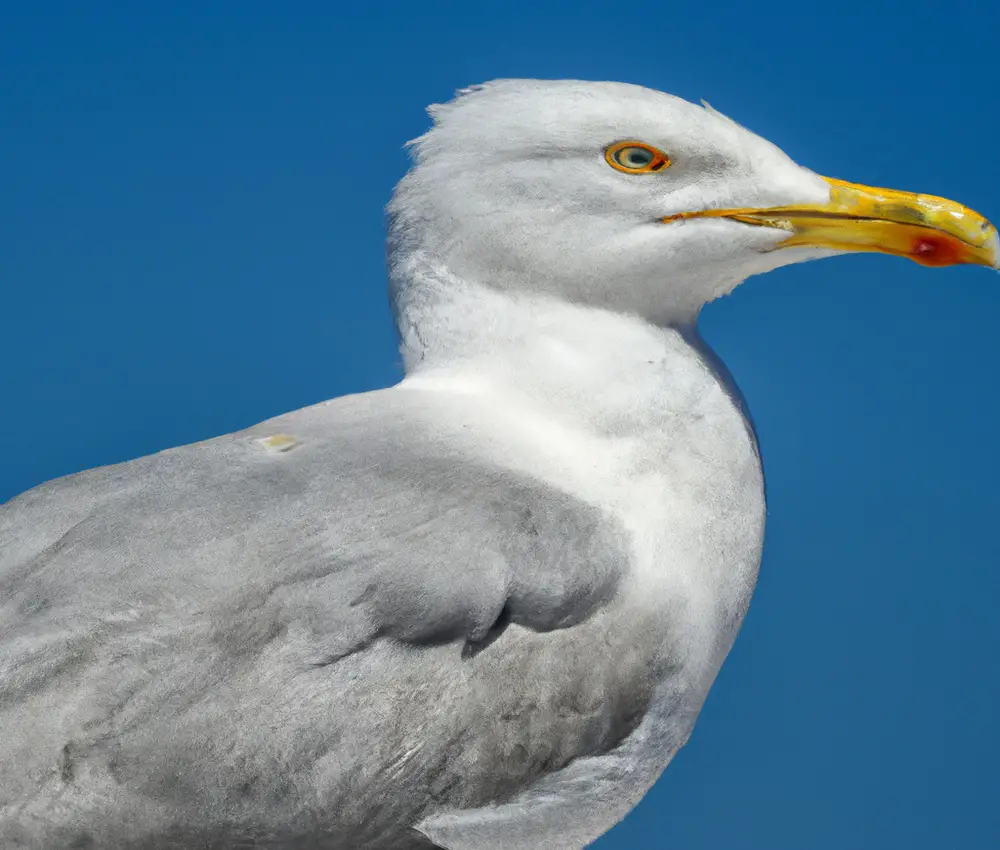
x: 192, y: 241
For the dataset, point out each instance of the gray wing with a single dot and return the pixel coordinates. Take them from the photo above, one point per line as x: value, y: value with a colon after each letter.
x: 335, y: 624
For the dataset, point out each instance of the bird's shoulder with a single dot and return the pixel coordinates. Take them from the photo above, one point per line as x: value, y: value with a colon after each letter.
x: 364, y: 497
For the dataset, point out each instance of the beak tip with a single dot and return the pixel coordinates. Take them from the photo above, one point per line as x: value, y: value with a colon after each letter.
x: 993, y: 249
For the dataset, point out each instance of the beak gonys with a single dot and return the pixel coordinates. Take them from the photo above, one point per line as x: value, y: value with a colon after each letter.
x: 929, y: 230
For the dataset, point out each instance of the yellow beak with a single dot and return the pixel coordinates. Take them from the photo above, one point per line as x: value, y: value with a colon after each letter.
x: 931, y: 231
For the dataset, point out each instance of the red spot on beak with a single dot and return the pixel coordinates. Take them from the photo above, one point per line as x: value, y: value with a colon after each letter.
x: 937, y: 251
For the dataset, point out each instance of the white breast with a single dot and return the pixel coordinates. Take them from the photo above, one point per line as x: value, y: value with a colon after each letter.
x: 662, y: 445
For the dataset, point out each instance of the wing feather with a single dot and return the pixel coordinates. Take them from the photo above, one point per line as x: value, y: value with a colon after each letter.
x: 273, y: 639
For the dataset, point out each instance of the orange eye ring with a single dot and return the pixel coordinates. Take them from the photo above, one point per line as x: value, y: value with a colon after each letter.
x: 633, y: 157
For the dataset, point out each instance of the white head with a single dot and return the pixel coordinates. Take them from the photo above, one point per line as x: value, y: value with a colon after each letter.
x: 521, y: 185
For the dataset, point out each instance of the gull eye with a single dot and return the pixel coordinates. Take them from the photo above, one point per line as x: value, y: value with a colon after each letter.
x: 636, y: 157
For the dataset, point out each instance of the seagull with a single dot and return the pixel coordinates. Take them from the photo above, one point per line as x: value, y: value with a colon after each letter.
x: 480, y: 609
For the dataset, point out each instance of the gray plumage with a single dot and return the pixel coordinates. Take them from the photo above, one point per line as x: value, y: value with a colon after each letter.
x: 238, y: 647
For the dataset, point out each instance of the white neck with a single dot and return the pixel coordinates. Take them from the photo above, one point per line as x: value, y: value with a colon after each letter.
x: 602, y: 371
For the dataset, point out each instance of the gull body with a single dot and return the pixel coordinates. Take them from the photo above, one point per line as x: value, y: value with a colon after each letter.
x: 479, y: 610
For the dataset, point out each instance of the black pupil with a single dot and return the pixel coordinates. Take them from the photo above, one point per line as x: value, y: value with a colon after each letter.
x: 638, y: 157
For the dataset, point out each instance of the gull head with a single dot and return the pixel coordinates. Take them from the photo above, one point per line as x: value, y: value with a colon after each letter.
x: 629, y: 199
